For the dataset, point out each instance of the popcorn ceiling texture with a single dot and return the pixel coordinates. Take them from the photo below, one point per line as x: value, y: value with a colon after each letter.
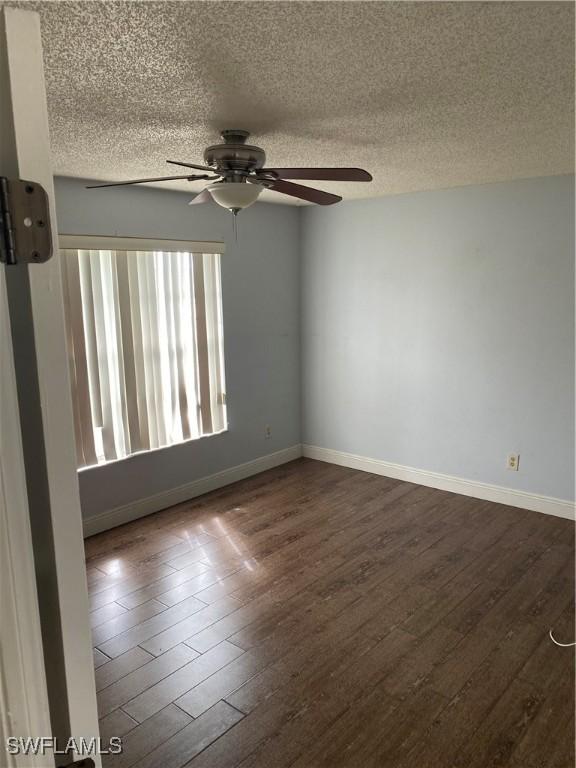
x: 424, y: 95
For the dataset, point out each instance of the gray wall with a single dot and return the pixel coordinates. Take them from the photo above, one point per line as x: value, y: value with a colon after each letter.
x: 437, y: 331
x: 260, y: 286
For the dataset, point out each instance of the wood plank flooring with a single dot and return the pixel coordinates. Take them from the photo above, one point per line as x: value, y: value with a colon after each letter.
x: 315, y: 615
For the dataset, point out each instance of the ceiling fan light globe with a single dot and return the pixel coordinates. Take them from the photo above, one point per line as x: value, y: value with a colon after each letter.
x: 234, y: 195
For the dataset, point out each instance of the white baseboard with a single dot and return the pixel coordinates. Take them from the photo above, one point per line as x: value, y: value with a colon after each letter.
x: 142, y: 507
x: 124, y: 514
x: 546, y: 504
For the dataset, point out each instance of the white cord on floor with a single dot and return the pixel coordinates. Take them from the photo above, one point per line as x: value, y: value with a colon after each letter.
x: 562, y: 645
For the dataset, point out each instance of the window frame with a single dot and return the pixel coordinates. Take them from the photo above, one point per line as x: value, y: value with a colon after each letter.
x: 120, y: 243
x: 112, y: 243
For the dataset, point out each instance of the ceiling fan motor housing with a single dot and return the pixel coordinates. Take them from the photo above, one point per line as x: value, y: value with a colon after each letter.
x: 234, y: 155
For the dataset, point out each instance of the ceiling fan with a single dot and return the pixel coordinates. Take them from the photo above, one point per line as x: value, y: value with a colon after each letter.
x: 238, y: 175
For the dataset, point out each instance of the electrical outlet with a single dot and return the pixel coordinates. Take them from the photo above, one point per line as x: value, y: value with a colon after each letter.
x: 513, y: 461
x: 267, y: 432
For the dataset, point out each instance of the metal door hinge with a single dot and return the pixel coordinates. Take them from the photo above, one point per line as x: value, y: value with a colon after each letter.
x: 25, y: 234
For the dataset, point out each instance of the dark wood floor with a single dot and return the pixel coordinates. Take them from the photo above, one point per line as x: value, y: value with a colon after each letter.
x: 318, y: 616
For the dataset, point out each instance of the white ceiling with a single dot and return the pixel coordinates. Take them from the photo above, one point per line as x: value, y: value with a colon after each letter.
x: 423, y: 95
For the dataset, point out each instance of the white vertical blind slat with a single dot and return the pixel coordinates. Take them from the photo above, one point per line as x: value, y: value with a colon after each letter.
x: 122, y: 360
x: 156, y: 343
x: 179, y: 357
x: 148, y: 349
x: 220, y: 339
x: 138, y: 345
x: 128, y: 351
x: 202, y: 344
x: 211, y: 283
x: 187, y: 331
x: 162, y: 298
x: 194, y: 349
x: 84, y: 428
x: 87, y: 299
x: 98, y: 295
x: 148, y: 353
x: 114, y: 354
x: 175, y: 424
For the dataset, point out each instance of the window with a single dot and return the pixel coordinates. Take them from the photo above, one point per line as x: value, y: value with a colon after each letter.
x: 144, y: 321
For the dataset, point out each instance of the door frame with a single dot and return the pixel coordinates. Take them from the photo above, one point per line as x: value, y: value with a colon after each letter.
x: 21, y: 654
x: 33, y: 295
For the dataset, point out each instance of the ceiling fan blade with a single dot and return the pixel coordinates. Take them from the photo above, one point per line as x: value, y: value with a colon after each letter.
x: 320, y: 174
x: 191, y: 165
x: 146, y: 181
x: 203, y: 197
x: 298, y: 190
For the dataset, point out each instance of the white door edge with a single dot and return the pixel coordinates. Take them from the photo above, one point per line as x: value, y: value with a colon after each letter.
x: 25, y: 153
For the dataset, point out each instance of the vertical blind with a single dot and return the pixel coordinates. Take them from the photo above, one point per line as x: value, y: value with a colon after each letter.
x: 145, y: 347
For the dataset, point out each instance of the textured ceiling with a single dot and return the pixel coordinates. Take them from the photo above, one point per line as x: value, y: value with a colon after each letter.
x: 423, y: 95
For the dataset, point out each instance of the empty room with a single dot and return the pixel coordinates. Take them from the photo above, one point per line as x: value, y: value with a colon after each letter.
x: 287, y: 391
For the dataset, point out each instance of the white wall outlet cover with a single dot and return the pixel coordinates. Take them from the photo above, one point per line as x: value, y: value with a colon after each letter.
x: 513, y: 461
